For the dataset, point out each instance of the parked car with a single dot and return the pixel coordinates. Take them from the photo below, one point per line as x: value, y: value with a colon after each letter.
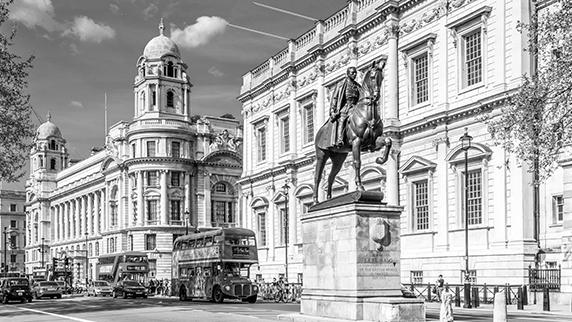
x: 15, y: 289
x: 129, y: 288
x: 47, y: 289
x: 99, y: 288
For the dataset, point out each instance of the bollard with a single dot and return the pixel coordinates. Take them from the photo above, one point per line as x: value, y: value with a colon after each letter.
x: 524, y: 295
x: 485, y: 293
x: 475, y: 297
x: 546, y: 302
x: 499, y: 309
x: 519, y: 300
x: 457, y: 297
x: 429, y: 295
x: 507, y: 294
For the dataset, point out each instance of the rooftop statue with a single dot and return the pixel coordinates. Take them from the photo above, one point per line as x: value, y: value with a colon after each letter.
x: 354, y: 126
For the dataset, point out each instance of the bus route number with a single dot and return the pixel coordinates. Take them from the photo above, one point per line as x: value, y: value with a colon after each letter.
x: 240, y: 252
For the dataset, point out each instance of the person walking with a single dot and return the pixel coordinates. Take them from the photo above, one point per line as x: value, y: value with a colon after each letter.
x: 446, y: 312
x: 439, y: 286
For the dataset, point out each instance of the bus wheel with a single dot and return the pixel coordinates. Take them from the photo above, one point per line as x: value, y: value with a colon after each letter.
x: 182, y: 294
x: 218, y: 296
x: 252, y: 299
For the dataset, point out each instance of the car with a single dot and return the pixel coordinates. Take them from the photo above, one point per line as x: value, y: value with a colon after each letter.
x: 49, y: 289
x: 99, y: 288
x: 129, y: 288
x: 15, y: 289
x: 64, y: 286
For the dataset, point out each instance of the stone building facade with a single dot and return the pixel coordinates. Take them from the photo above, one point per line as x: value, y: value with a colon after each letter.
x: 446, y: 61
x: 12, y: 227
x: 157, y: 175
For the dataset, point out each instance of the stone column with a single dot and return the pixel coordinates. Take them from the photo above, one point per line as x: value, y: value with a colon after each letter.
x: 140, y: 203
x: 90, y: 216
x: 164, y: 198
x: 159, y: 97
x: 121, y: 201
x: 129, y: 200
x: 442, y: 187
x: 392, y: 186
x: 66, y: 220
x: 96, y: 209
x: 77, y: 215
x: 84, y: 215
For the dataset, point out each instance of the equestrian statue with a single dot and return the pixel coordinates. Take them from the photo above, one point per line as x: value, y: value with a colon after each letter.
x: 354, y: 126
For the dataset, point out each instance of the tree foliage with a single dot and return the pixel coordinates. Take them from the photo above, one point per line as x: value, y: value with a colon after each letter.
x: 535, y: 125
x: 16, y: 127
x: 228, y: 116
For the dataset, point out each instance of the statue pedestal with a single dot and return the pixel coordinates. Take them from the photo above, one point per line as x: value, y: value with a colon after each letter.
x: 352, y: 262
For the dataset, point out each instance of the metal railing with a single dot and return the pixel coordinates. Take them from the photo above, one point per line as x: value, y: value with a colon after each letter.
x: 485, y: 292
x: 544, y: 278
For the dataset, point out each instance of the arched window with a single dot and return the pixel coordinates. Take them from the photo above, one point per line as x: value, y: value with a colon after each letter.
x: 170, y: 99
x: 52, y: 164
x: 41, y: 161
x: 52, y: 145
x: 170, y: 70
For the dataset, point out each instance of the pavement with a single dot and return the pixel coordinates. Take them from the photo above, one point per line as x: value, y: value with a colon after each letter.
x: 555, y: 309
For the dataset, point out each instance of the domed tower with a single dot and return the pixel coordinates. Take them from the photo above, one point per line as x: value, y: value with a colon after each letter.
x: 49, y: 154
x: 162, y: 87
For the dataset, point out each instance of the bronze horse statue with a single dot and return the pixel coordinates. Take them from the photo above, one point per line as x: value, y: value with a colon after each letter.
x: 363, y: 132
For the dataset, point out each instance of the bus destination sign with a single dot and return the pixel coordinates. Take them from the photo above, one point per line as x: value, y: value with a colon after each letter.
x: 240, y: 252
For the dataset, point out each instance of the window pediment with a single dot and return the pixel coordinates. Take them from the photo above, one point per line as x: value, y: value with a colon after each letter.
x: 259, y: 202
x: 477, y: 151
x: 424, y: 40
x: 482, y: 12
x: 417, y: 164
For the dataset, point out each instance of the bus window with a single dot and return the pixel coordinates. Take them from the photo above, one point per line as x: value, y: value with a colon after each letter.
x: 231, y: 241
x: 208, y: 241
x: 191, y: 272
x: 183, y: 272
x: 200, y: 243
x: 184, y: 244
x: 207, y: 271
x: 192, y: 243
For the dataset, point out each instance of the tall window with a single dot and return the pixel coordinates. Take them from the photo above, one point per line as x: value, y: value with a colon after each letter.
x: 96, y: 248
x: 113, y: 214
x: 261, y: 144
x: 281, y: 222
x: 285, y: 134
x: 261, y: 229
x: 170, y: 71
x: 309, y: 123
x: 13, y: 207
x: 13, y: 224
x: 151, y: 148
x: 52, y: 164
x: 150, y: 241
x: 176, y: 149
x: 170, y: 99
x: 152, y: 178
x: 175, y: 178
x: 152, y: 210
x: 176, y: 210
x: 557, y: 208
x: 421, y: 205
x: 473, y: 66
x: 420, y: 78
x: 416, y: 277
x: 13, y: 241
x: 130, y: 243
x: 475, y: 201
x: 153, y: 98
x: 222, y: 209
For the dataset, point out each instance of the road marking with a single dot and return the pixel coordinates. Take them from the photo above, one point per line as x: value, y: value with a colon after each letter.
x: 56, y: 315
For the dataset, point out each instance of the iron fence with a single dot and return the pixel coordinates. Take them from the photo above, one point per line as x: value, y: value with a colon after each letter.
x: 544, y: 278
x: 485, y: 292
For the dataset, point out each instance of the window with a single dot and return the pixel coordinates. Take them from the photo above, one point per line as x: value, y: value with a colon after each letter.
x: 475, y: 202
x: 152, y: 211
x: 421, y: 204
x: 170, y: 99
x: 90, y: 254
x: 472, y: 53
x: 261, y: 136
x: 96, y: 248
x: 52, y: 164
x: 309, y: 123
x: 152, y: 178
x: 472, y: 276
x: 285, y: 134
x: 170, y: 71
x: 13, y: 224
x: 114, y: 214
x: 150, y: 241
x: 219, y: 211
x: 151, y: 148
x: 13, y: 258
x: 13, y: 207
x: 52, y: 145
x: 176, y: 149
x: 420, y: 78
x: 222, y: 205
x: 133, y: 150
x: 262, y: 229
x: 130, y: 243
x: 281, y: 226
x: 13, y: 242
x: 175, y: 178
x: 416, y: 277
x: 557, y: 208
x: 176, y: 210
x: 153, y: 98
x: 220, y: 188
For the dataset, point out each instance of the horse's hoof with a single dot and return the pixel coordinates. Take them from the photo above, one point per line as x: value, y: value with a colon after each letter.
x: 379, y: 160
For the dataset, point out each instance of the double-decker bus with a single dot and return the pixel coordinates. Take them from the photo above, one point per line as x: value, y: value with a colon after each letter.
x: 123, y: 266
x: 215, y: 265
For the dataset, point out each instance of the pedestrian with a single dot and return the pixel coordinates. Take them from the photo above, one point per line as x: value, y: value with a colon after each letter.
x: 159, y: 287
x: 439, y: 286
x: 446, y: 313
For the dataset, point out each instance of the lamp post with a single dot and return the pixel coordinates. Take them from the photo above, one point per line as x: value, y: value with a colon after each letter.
x: 186, y: 221
x: 465, y: 146
x: 86, y: 259
x: 42, y: 251
x: 5, y: 265
x: 286, y: 187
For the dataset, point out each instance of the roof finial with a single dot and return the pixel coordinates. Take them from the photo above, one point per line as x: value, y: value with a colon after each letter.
x: 48, y: 116
x: 161, y: 27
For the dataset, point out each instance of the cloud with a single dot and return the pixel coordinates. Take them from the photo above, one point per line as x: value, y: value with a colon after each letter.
x: 200, y: 33
x: 114, y: 8
x: 88, y: 30
x: 150, y: 11
x: 215, y: 72
x: 74, y: 49
x: 76, y: 104
x: 35, y: 13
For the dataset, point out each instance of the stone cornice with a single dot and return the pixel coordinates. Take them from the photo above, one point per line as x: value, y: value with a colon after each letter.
x: 270, y: 173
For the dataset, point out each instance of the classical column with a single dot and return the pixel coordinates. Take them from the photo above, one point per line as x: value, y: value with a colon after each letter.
x: 89, y: 213
x: 66, y: 221
x: 83, y: 216
x: 442, y: 188
x: 129, y: 200
x: 159, y: 97
x: 121, y: 201
x: 96, y: 208
x: 164, y: 198
x: 140, y: 205
x: 392, y: 183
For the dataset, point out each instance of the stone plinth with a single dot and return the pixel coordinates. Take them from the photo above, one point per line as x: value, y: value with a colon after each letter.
x: 352, y: 262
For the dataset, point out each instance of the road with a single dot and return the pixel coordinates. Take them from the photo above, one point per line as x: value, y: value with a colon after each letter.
x: 89, y: 309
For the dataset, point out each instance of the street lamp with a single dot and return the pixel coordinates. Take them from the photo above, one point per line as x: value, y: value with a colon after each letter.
x: 5, y: 265
x: 86, y: 259
x: 286, y: 187
x: 186, y: 221
x: 465, y: 146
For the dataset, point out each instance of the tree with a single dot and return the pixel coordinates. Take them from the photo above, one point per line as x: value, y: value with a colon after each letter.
x: 16, y: 127
x: 228, y: 116
x: 535, y: 125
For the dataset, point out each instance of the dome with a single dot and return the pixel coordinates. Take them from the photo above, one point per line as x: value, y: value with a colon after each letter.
x: 161, y: 45
x: 47, y: 130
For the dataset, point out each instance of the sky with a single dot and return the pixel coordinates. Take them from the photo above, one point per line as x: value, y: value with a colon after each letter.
x: 86, y: 49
